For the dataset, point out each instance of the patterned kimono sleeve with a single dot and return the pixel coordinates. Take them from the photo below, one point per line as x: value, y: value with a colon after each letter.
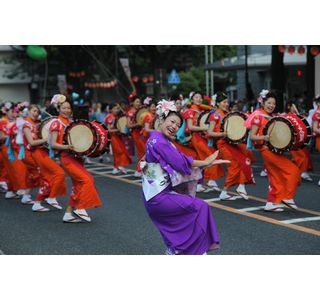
x: 174, y: 158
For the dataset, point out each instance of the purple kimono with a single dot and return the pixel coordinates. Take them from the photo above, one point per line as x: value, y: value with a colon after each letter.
x: 185, y: 222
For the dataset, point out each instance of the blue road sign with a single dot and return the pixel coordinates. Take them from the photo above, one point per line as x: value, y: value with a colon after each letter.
x: 174, y: 77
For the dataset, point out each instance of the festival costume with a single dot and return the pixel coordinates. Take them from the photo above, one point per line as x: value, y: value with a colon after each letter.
x: 283, y: 174
x: 316, y: 117
x: 53, y: 183
x: 239, y: 170
x: 84, y: 193
x: 135, y: 133
x: 184, y: 221
x: 200, y: 145
x: 121, y: 156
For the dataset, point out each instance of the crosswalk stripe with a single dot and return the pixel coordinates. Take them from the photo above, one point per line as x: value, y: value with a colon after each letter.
x: 299, y: 220
x: 251, y: 208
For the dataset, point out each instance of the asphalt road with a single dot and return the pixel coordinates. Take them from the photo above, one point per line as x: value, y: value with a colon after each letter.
x: 122, y: 227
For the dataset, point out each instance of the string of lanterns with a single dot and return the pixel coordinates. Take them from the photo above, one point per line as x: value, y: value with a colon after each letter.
x: 101, y: 84
x: 77, y: 74
x: 144, y: 79
x: 314, y: 50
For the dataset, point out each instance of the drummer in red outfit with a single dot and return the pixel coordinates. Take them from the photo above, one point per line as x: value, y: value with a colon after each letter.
x: 316, y: 125
x: 84, y: 194
x: 52, y: 179
x: 148, y: 118
x: 239, y: 171
x: 301, y: 157
x: 121, y: 156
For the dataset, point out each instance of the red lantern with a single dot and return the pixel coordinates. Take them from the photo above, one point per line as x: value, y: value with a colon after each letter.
x: 151, y: 78
x: 135, y: 79
x: 112, y: 83
x: 115, y: 82
x: 291, y: 50
x: 314, y: 50
x: 145, y: 79
x: 108, y: 85
x: 281, y: 49
x: 301, y: 50
x: 82, y: 73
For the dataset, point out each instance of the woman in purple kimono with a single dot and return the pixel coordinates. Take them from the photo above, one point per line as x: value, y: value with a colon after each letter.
x: 169, y: 181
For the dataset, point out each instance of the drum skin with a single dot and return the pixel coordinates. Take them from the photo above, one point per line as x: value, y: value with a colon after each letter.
x: 140, y: 114
x: 43, y: 130
x: 88, y: 138
x: 122, y: 125
x: 233, y: 125
x: 287, y: 132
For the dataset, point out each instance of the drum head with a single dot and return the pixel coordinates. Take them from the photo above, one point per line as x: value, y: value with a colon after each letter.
x: 280, y: 135
x: 140, y: 114
x: 44, y: 126
x: 202, y: 120
x: 234, y: 127
x: 122, y: 125
x: 81, y: 137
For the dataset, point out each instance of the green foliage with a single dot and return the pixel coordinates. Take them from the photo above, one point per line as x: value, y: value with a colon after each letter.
x: 192, y: 80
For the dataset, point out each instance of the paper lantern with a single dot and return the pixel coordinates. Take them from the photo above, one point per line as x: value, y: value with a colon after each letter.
x: 301, y: 50
x: 291, y: 50
x: 281, y: 49
x: 150, y: 78
x: 314, y: 50
x: 135, y: 79
x: 145, y: 79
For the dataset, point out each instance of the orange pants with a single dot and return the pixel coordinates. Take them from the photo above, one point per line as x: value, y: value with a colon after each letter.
x: 283, y: 175
x: 203, y: 151
x: 301, y: 158
x: 140, y: 142
x: 3, y: 172
x: 186, y: 150
x: 16, y: 171
x: 54, y: 184
x: 33, y: 177
x: 235, y: 174
x: 121, y: 157
x: 84, y: 193
x: 317, y: 143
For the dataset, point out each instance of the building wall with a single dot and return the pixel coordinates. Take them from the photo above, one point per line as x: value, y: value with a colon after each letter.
x: 13, y: 82
x: 14, y: 92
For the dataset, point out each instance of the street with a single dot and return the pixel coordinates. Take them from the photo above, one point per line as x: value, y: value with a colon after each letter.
x: 122, y: 227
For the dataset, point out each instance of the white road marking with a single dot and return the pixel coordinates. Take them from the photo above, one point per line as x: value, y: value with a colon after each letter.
x: 308, y: 219
x: 211, y: 200
x: 251, y: 208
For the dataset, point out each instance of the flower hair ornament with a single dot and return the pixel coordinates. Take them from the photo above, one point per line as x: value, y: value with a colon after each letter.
x: 164, y: 107
x: 147, y: 101
x: 57, y: 100
x: 262, y: 95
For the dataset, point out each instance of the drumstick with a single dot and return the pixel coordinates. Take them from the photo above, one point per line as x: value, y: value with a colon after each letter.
x: 227, y: 123
x: 48, y: 114
x: 295, y: 108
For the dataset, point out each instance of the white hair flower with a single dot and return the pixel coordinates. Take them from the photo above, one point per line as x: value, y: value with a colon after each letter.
x: 164, y: 107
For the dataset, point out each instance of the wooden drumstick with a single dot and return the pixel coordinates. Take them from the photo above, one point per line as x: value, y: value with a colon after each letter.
x: 295, y: 108
x: 48, y: 114
x: 227, y: 123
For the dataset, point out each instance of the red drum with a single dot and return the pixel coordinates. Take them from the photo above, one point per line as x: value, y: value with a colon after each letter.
x: 233, y: 125
x: 287, y: 132
x: 104, y: 139
x: 88, y: 138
